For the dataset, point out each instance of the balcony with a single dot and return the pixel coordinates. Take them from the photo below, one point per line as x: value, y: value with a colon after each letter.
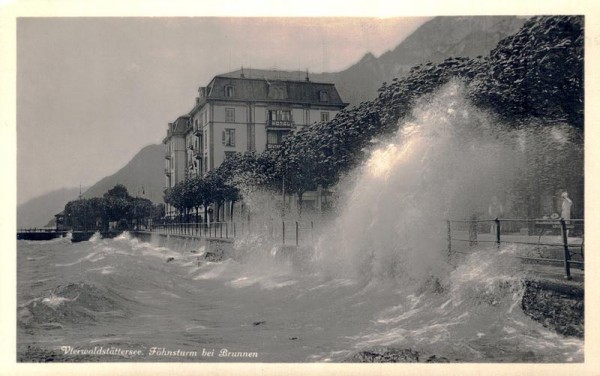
x: 198, y: 132
x: 167, y: 171
x: 167, y: 155
x: 198, y: 154
x: 280, y: 123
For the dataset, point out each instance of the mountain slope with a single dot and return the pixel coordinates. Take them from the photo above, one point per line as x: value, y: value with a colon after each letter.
x: 143, y: 176
x: 38, y: 211
x: 434, y: 41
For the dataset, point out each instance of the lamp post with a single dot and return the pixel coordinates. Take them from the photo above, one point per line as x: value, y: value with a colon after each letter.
x: 283, y: 195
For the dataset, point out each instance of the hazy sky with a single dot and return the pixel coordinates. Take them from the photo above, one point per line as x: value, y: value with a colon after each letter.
x: 91, y: 92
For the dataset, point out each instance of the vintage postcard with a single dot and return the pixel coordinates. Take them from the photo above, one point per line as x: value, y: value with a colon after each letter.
x: 258, y: 192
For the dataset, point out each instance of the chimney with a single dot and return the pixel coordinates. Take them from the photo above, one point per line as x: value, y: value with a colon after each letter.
x: 202, y: 91
x: 242, y: 75
x: 307, y: 79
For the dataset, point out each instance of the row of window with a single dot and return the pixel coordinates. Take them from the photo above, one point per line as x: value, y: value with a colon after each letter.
x: 274, y: 137
x: 273, y: 115
x: 277, y: 92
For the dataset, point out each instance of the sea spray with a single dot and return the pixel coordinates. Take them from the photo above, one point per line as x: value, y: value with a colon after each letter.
x: 445, y: 162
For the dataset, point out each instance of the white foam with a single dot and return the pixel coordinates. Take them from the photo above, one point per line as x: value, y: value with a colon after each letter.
x: 53, y: 301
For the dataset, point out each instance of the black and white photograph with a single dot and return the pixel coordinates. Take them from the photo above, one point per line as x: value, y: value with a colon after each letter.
x: 314, y: 189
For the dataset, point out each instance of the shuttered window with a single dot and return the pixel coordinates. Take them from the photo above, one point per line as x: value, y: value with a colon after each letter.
x: 230, y: 115
x: 228, y: 137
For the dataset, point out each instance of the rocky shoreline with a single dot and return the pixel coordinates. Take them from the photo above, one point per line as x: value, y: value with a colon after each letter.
x: 557, y: 305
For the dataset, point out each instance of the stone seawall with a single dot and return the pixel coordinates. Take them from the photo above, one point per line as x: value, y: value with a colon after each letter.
x: 215, y: 249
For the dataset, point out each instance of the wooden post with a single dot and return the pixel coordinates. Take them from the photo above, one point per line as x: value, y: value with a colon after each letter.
x: 449, y: 237
x: 497, y: 221
x: 563, y: 227
x: 473, y: 231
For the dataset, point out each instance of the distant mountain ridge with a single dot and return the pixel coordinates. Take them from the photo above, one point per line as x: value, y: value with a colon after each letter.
x: 38, y: 211
x: 143, y: 176
x: 434, y: 41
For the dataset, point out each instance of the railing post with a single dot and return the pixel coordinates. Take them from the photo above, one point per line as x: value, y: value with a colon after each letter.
x: 449, y: 237
x: 296, y: 233
x: 497, y: 221
x: 221, y: 230
x: 312, y: 233
x: 234, y: 233
x: 473, y: 231
x: 226, y: 230
x: 283, y: 231
x: 563, y: 227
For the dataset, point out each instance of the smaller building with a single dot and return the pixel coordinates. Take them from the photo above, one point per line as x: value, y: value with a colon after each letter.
x: 60, y: 221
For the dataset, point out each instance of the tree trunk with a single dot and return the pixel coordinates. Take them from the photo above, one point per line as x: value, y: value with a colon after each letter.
x: 300, y: 194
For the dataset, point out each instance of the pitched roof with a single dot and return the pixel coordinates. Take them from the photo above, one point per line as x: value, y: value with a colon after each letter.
x: 274, y: 86
x: 268, y: 74
x: 178, y: 127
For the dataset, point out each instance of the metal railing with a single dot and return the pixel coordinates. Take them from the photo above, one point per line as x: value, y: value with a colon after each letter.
x: 280, y: 232
x: 547, y: 239
x: 222, y: 230
x: 39, y: 230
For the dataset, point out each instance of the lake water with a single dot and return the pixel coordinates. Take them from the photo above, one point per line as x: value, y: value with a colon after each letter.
x: 122, y: 294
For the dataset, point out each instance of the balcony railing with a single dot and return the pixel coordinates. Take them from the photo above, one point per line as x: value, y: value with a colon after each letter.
x: 280, y: 123
x: 167, y: 172
x: 167, y: 155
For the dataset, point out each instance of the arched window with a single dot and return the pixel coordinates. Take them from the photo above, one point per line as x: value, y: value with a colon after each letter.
x: 229, y: 91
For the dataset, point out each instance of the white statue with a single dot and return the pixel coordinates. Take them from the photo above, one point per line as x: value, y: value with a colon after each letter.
x: 567, y: 204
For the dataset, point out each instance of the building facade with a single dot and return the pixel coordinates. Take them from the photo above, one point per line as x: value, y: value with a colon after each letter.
x: 245, y: 110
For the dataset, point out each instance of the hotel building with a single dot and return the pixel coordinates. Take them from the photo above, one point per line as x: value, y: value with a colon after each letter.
x: 245, y: 110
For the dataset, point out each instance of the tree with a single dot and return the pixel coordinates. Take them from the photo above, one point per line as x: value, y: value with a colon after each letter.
x: 196, y: 190
x: 117, y: 208
x: 140, y: 209
x: 538, y: 72
x: 175, y: 197
x: 158, y: 213
x: 118, y: 191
